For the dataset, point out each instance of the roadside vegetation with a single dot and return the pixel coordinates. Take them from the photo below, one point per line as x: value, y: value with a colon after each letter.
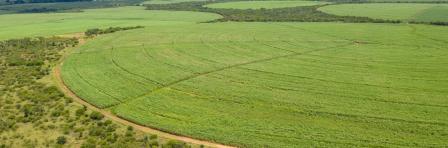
x: 34, y: 113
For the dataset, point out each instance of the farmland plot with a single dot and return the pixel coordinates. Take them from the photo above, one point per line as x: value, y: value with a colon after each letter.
x: 29, y: 25
x: 274, y: 84
x: 169, y: 1
x: 263, y: 4
x: 392, y: 11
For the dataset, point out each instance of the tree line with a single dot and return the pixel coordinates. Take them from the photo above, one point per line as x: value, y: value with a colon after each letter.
x: 296, y: 14
x: 97, y: 31
x: 430, y: 23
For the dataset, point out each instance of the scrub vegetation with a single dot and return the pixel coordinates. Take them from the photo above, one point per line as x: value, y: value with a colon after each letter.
x: 34, y: 113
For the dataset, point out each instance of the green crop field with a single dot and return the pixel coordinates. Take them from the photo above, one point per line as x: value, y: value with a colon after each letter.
x: 44, y: 7
x: 408, y: 1
x: 263, y: 4
x: 26, y: 25
x: 393, y: 11
x: 276, y: 84
x: 169, y: 1
x: 260, y: 84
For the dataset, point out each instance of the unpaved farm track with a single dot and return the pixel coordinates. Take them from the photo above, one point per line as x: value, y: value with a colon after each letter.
x: 60, y: 83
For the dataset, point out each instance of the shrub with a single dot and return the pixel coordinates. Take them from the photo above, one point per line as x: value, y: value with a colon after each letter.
x: 61, y: 140
x: 174, y: 144
x: 81, y: 111
x: 130, y: 128
x: 154, y: 144
x: 152, y: 137
x: 92, y: 32
x: 96, y: 115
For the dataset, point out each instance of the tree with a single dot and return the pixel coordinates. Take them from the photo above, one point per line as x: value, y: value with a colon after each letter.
x: 130, y: 128
x: 81, y: 111
x: 92, y: 32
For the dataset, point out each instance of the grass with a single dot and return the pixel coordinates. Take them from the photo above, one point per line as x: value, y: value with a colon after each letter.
x: 393, y: 11
x: 274, y: 84
x: 263, y: 4
x: 27, y: 25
